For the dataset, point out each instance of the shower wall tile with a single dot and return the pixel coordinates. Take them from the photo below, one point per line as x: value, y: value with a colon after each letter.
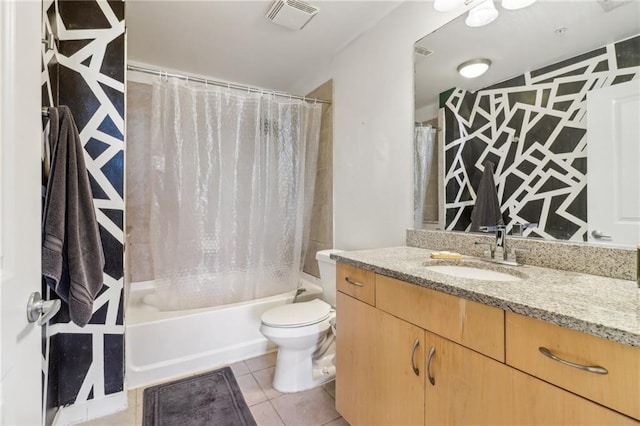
x: 321, y: 222
x: 137, y: 223
x: 138, y: 142
x: 140, y: 262
x: 311, y: 266
x: 138, y: 193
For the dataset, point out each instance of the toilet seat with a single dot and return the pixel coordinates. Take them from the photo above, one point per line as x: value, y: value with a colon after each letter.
x: 297, y: 314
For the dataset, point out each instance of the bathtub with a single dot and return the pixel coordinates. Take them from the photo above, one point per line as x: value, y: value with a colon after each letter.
x: 164, y: 345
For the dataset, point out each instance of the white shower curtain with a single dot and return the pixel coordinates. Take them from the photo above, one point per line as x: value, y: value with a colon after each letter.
x: 232, y: 179
x: 423, y: 153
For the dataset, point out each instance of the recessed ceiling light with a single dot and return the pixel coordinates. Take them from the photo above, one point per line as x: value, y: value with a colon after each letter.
x: 474, y: 68
x: 516, y: 4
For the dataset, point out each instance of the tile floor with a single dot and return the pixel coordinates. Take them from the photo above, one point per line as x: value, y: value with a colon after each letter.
x: 315, y: 407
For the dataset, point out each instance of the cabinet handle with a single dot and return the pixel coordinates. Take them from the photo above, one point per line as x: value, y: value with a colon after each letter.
x: 590, y: 368
x: 432, y: 352
x: 416, y: 343
x: 357, y: 284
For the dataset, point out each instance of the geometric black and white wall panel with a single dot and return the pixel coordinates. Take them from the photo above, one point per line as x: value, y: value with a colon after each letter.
x: 533, y: 128
x: 86, y: 72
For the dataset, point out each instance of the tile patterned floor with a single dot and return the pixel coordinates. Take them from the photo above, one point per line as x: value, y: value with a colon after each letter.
x: 315, y: 407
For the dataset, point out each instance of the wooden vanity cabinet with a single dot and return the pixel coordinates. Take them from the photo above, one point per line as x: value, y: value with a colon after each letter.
x: 407, y: 355
x: 376, y: 384
x: 470, y: 388
x: 617, y: 386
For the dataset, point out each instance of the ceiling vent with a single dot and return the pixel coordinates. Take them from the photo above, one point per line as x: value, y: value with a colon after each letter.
x: 609, y: 5
x: 293, y: 14
x: 419, y: 50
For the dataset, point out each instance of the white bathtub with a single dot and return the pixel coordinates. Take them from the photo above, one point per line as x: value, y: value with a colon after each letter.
x: 162, y: 345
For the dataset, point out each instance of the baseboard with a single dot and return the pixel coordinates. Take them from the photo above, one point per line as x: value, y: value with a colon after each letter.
x: 92, y: 409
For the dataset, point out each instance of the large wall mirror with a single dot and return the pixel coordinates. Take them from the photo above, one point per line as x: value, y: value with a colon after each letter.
x: 556, y: 117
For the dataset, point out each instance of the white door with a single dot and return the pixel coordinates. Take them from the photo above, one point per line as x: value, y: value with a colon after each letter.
x: 20, y: 135
x: 613, y: 159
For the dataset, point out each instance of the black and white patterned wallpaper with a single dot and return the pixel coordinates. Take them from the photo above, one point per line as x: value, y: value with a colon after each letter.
x: 533, y: 127
x: 86, y: 72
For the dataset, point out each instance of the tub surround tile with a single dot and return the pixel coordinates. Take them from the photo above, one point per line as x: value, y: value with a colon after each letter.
x: 261, y: 362
x: 312, y: 407
x: 563, y: 255
x: 604, y: 307
x: 141, y: 262
x: 265, y: 415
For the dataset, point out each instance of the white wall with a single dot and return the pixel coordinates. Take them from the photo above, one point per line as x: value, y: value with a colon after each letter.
x: 373, y: 129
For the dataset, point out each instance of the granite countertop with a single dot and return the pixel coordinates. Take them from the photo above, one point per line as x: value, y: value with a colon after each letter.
x: 600, y: 306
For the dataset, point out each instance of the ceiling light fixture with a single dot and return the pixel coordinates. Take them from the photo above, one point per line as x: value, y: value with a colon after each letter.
x: 447, y: 5
x: 482, y: 14
x: 474, y: 68
x: 516, y: 4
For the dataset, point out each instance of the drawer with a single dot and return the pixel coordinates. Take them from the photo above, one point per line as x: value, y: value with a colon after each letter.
x: 471, y: 324
x: 618, y: 389
x: 356, y: 282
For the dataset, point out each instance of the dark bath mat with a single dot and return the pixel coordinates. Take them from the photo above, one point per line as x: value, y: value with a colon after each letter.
x: 207, y: 399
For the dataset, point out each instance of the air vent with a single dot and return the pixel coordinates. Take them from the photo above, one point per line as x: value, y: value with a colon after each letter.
x: 422, y: 51
x: 609, y: 5
x: 293, y: 14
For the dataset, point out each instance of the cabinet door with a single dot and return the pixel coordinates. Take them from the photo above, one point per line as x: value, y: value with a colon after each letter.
x: 466, y: 387
x: 376, y: 383
x: 470, y: 388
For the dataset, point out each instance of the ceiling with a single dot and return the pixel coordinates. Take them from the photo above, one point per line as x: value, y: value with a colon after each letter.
x: 519, y: 41
x: 233, y: 41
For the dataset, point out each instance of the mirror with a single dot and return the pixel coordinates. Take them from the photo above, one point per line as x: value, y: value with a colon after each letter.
x: 562, y: 93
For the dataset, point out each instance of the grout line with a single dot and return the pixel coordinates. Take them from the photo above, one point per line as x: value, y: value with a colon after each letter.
x: 277, y: 414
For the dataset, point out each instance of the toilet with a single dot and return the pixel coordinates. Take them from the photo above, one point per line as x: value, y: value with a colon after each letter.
x: 303, y: 333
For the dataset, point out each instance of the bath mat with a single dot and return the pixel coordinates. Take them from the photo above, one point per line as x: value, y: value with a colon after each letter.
x: 212, y: 398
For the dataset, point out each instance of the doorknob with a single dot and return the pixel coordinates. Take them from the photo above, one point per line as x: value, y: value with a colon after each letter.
x: 599, y: 234
x: 41, y: 310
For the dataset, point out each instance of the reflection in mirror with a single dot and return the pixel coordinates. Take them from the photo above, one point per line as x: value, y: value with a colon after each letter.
x: 564, y: 82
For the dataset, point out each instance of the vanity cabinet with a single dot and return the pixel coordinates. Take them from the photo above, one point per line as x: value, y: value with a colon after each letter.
x: 601, y: 370
x: 470, y: 388
x: 408, y: 355
x: 377, y: 383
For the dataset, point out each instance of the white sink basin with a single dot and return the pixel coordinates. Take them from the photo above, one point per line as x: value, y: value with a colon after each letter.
x: 470, y: 272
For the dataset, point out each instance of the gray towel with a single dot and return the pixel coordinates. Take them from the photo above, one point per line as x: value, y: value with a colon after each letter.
x: 486, y: 211
x: 72, y: 257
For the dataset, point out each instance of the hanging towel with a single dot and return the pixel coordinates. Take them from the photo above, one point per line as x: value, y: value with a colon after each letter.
x: 72, y: 257
x: 486, y: 212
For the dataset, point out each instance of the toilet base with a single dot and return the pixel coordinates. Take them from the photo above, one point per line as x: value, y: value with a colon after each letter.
x: 296, y: 370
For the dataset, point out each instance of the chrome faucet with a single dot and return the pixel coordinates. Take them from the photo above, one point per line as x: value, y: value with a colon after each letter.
x: 501, y: 239
x: 501, y: 243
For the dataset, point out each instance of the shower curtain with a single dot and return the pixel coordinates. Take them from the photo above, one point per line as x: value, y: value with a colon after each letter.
x: 423, y: 153
x: 232, y: 179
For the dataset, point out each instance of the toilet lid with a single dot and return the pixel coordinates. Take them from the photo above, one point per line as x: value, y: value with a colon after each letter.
x: 297, y: 314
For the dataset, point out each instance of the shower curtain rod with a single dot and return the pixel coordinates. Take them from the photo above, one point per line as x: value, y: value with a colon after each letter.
x: 188, y: 78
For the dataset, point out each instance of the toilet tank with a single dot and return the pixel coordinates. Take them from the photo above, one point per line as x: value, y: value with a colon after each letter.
x: 327, y: 275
